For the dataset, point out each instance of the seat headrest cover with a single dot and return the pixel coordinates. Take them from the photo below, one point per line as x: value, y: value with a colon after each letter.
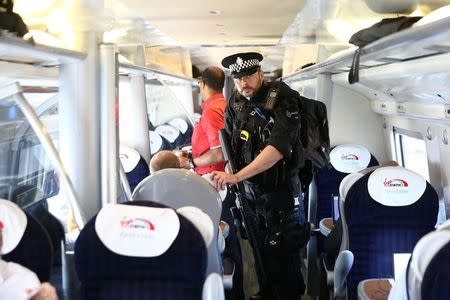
x: 168, y: 132
x: 222, y: 193
x: 424, y: 251
x: 137, y: 231
x: 396, y: 186
x: 128, y: 157
x: 156, y: 142
x: 349, y: 158
x: 347, y: 183
x: 201, y: 221
x: 14, y: 223
x: 179, y: 124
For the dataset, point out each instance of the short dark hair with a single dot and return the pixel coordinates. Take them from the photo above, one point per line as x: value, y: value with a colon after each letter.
x: 214, y: 77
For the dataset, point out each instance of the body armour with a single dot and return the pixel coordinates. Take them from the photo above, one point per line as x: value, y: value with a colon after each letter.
x: 271, y: 117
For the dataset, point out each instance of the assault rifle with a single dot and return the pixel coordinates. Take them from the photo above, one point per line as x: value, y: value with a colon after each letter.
x: 245, y: 218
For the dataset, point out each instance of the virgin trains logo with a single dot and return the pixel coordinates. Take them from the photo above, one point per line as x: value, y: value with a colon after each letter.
x: 137, y: 223
x: 395, y: 183
x: 349, y: 157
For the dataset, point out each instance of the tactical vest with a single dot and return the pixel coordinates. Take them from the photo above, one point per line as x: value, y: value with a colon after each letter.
x: 252, y: 127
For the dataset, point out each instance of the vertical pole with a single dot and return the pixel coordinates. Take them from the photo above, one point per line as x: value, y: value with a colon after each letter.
x: 109, y: 123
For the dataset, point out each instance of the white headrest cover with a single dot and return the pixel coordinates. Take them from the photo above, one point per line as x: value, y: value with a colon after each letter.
x: 396, y: 186
x: 128, y: 157
x: 14, y: 224
x: 222, y: 193
x: 347, y: 183
x: 349, y: 158
x: 179, y: 124
x: 201, y: 221
x: 168, y: 132
x: 155, y: 142
x: 137, y: 231
x: 424, y: 251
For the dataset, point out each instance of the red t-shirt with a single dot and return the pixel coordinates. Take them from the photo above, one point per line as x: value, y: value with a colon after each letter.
x: 206, y: 131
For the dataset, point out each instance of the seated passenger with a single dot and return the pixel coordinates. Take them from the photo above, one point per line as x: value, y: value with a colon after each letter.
x: 167, y: 159
x: 18, y: 282
x: 163, y: 160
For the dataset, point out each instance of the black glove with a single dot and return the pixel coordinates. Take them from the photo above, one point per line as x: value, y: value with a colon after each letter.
x: 295, y: 235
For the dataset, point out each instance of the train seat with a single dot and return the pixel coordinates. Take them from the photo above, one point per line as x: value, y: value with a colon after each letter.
x: 134, y: 165
x: 178, y: 188
x: 141, y: 250
x: 25, y: 241
x: 344, y: 159
x: 386, y: 211
x: 427, y: 273
x: 52, y: 225
x: 184, y: 128
x: 157, y: 143
x: 170, y: 134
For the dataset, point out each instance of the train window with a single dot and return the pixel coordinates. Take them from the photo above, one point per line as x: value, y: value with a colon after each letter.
x: 169, y: 103
x: 27, y: 175
x: 410, y: 149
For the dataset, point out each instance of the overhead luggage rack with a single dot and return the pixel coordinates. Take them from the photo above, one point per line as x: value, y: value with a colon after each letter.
x: 17, y: 50
x: 412, y: 43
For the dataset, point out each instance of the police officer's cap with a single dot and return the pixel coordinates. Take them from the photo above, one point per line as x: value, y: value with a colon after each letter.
x: 242, y: 64
x: 6, y: 6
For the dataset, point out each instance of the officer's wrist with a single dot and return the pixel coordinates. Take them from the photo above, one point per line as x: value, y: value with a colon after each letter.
x: 237, y: 178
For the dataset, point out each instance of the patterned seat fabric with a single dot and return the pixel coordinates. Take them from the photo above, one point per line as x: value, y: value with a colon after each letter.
x: 178, y: 273
x: 376, y: 231
x: 328, y: 179
x: 34, y: 250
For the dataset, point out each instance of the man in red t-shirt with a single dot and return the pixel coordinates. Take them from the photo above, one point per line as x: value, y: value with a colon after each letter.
x: 206, y: 151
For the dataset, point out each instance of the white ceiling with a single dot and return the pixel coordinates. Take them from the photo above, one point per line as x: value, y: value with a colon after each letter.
x: 267, y: 26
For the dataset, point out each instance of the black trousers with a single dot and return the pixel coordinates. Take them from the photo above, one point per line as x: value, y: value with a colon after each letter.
x: 280, y: 265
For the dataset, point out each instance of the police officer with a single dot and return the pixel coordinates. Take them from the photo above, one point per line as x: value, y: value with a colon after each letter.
x: 263, y: 121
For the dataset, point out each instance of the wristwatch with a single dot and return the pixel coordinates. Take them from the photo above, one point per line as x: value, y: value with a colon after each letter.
x: 191, y: 163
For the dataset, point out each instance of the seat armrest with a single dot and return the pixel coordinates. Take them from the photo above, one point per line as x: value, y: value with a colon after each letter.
x: 326, y: 226
x: 224, y: 228
x: 342, y: 267
x: 376, y: 288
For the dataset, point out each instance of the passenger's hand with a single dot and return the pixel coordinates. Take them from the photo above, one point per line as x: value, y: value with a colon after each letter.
x: 184, y: 162
x: 221, y: 179
x: 45, y: 292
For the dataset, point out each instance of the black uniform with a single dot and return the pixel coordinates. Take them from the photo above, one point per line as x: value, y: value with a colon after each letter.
x: 253, y: 124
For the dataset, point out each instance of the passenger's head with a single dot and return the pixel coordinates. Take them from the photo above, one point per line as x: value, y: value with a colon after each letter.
x: 246, y: 72
x: 163, y: 160
x: 213, y: 78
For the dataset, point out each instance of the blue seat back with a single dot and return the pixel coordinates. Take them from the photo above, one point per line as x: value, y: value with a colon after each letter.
x: 435, y: 282
x: 135, y: 166
x: 385, y: 212
x: 345, y: 159
x: 178, y: 273
x: 34, y: 250
x: 185, y: 129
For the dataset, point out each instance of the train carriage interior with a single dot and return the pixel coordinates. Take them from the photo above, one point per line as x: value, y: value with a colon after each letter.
x: 96, y: 88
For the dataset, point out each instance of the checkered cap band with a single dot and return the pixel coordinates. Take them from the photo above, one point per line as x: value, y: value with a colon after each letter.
x: 243, y: 64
